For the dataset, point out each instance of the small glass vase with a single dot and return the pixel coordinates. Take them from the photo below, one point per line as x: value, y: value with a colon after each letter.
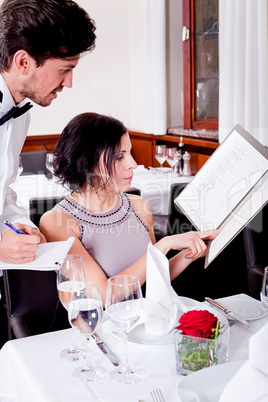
x: 193, y: 353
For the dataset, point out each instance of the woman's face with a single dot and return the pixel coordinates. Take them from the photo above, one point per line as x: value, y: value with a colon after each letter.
x: 124, y: 165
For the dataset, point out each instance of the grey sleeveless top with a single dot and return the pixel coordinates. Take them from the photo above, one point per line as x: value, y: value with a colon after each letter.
x: 115, y: 239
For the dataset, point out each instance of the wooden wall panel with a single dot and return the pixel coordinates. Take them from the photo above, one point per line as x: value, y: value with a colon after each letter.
x: 142, y: 147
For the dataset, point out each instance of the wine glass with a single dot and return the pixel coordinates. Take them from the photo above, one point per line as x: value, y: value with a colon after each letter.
x: 264, y: 288
x: 171, y: 157
x: 86, y: 314
x: 70, y: 279
x: 161, y: 155
x: 49, y: 163
x: 20, y: 168
x: 124, y: 307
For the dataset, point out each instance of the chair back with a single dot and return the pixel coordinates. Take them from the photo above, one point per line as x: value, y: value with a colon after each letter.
x: 255, y: 240
x: 134, y: 190
x: 34, y: 162
x: 38, y: 206
x: 31, y: 296
x: 225, y: 276
x: 177, y: 221
x: 31, y: 300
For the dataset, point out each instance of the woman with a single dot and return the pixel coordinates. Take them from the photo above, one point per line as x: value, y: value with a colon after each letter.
x: 111, y: 229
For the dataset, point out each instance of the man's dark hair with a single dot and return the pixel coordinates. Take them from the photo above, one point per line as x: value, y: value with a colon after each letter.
x: 45, y: 29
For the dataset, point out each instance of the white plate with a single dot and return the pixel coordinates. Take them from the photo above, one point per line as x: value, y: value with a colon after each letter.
x: 247, y: 309
x: 141, y: 336
x: 207, y: 385
x: 164, y: 169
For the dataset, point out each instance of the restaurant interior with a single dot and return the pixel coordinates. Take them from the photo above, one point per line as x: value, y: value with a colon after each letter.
x: 173, y: 78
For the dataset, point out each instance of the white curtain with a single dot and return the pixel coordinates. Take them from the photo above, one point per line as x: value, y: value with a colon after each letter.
x: 154, y: 83
x: 243, y: 70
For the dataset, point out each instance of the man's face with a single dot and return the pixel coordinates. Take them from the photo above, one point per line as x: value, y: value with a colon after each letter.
x: 42, y: 83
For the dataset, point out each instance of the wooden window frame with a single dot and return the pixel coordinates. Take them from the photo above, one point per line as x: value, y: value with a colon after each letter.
x: 189, y: 103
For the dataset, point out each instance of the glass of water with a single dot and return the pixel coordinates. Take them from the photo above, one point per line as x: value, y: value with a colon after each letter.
x: 86, y: 314
x: 264, y: 288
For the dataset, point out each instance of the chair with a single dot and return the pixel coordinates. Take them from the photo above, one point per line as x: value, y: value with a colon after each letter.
x: 255, y: 240
x: 225, y: 276
x: 177, y: 221
x: 34, y: 162
x: 38, y: 206
x: 134, y: 190
x: 31, y: 299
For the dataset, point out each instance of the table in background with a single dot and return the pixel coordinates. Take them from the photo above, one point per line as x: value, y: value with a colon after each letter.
x: 34, y: 186
x: 155, y: 187
x: 31, y: 369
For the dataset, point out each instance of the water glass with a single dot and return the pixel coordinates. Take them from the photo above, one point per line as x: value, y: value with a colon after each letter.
x: 124, y: 307
x: 85, y: 314
x: 20, y: 168
x: 171, y: 157
x: 50, y: 163
x: 264, y: 288
x: 70, y: 279
x: 161, y: 154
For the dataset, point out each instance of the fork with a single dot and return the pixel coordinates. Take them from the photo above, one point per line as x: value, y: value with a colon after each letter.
x: 157, y: 395
x: 231, y: 322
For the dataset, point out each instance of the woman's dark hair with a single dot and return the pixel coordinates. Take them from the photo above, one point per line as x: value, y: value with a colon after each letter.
x: 45, y: 29
x: 82, y: 142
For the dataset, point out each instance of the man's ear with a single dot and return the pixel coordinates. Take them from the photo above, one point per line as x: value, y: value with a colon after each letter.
x: 22, y: 61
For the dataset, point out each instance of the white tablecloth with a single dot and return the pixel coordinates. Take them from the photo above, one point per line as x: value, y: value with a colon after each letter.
x: 155, y: 187
x: 31, y: 369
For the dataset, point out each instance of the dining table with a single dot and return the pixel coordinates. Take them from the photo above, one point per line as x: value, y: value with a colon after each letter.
x: 31, y: 368
x: 153, y: 185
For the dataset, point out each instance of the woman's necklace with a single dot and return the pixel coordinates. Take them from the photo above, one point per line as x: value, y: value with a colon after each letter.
x: 85, y: 203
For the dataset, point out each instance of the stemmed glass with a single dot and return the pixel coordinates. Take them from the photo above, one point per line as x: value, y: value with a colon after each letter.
x: 161, y: 154
x: 171, y: 157
x: 71, y: 279
x: 86, y: 314
x: 49, y: 163
x: 20, y: 168
x: 264, y: 288
x: 124, y: 307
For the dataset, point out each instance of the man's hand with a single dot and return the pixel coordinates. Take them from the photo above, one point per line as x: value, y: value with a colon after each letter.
x: 17, y: 248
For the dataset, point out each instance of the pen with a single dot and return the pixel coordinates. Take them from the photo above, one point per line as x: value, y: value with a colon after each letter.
x: 13, y: 228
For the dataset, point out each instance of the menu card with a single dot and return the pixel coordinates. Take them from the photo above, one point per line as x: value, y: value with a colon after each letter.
x: 229, y: 190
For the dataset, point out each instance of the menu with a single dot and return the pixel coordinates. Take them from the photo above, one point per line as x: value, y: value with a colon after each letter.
x: 229, y: 190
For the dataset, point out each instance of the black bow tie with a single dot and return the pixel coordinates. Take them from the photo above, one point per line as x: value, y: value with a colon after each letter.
x: 15, y: 112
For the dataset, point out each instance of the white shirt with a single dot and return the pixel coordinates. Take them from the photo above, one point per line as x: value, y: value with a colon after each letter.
x: 12, y: 137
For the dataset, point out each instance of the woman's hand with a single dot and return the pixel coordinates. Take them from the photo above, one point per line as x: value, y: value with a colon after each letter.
x: 194, y: 241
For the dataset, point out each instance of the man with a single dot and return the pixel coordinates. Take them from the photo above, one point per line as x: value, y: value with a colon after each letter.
x: 41, y: 42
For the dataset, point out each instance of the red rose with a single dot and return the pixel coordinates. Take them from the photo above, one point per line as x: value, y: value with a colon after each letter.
x: 197, y: 323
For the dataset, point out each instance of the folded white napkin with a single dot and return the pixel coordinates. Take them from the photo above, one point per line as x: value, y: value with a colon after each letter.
x: 250, y: 382
x: 163, y: 310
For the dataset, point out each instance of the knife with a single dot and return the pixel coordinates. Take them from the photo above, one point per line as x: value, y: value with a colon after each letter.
x: 229, y: 312
x: 105, y: 348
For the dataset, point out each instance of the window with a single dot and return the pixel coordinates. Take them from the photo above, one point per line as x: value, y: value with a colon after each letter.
x: 200, y: 64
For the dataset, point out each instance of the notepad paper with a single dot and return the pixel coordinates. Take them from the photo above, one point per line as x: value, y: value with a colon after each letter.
x: 229, y: 189
x: 48, y: 256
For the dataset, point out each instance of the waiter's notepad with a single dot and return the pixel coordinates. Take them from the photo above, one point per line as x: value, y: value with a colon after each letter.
x: 229, y: 190
x: 48, y: 256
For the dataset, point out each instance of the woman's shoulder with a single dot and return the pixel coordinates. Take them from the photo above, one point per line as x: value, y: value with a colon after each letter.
x: 56, y: 214
x: 137, y: 201
x: 57, y: 221
x: 141, y: 206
